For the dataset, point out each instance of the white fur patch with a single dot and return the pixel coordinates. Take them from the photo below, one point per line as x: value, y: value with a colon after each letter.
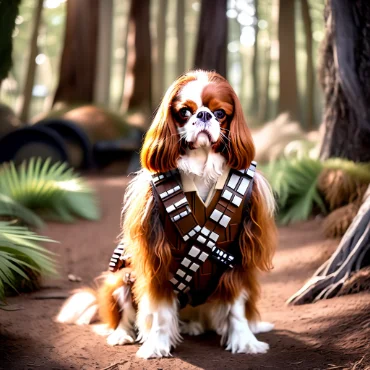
x: 260, y: 326
x: 205, y: 165
x: 158, y: 326
x: 192, y: 328
x: 193, y: 90
x: 125, y: 332
x: 80, y: 309
x: 240, y: 338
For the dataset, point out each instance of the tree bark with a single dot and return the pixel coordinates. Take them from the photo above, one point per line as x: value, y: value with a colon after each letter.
x: 8, y: 14
x: 78, y: 63
x: 104, y: 53
x: 211, y: 49
x: 271, y: 55
x: 161, y: 50
x: 344, y: 75
x: 138, y: 88
x: 180, y: 29
x: 24, y: 102
x: 255, y: 67
x: 288, y: 96
x: 310, y: 78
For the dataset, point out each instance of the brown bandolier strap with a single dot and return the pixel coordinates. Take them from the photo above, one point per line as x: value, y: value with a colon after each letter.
x: 202, y: 241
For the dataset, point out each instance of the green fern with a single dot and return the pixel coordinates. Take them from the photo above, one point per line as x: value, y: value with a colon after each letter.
x: 294, y: 183
x: 20, y: 251
x: 51, y: 188
x: 9, y: 208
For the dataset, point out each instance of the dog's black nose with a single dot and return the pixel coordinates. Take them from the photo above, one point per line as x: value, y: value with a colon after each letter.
x: 204, y: 116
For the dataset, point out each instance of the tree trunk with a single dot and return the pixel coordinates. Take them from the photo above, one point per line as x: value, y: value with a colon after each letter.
x: 255, y: 68
x: 351, y: 255
x: 271, y: 55
x: 8, y: 14
x: 161, y: 50
x: 24, y: 102
x: 264, y: 92
x: 344, y: 75
x: 310, y: 78
x: 78, y: 64
x: 104, y: 53
x: 180, y: 29
x: 211, y: 50
x: 138, y: 88
x: 288, y: 96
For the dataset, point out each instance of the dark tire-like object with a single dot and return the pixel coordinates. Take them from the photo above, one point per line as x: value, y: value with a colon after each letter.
x: 30, y: 142
x: 75, y: 138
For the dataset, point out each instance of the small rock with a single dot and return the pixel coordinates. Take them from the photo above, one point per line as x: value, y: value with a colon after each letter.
x: 74, y: 278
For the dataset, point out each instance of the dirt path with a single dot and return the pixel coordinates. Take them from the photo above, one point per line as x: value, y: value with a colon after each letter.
x: 332, y: 334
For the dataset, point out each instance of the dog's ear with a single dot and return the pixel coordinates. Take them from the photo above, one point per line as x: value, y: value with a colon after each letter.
x: 240, y: 151
x: 258, y: 238
x: 162, y: 147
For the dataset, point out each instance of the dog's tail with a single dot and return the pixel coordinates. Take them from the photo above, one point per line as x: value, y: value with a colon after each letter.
x: 87, y: 306
x: 81, y: 308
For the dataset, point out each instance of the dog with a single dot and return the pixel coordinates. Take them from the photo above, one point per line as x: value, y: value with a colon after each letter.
x: 197, y: 226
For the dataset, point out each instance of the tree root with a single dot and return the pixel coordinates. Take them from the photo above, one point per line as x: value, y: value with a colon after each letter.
x: 351, y: 255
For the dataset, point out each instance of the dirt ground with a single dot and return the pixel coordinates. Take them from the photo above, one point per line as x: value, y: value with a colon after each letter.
x: 331, y: 334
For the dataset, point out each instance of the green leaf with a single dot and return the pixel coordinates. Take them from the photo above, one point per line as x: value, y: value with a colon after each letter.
x: 41, y: 185
x: 294, y: 181
x: 11, y: 208
x: 21, y: 252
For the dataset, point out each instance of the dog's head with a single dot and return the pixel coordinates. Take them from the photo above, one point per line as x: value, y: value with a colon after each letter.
x: 200, y: 109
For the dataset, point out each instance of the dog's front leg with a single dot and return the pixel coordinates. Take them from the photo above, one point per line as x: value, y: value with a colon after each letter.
x: 125, y: 331
x: 158, y: 327
x: 238, y: 335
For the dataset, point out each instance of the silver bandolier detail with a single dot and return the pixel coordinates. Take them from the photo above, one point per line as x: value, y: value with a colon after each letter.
x: 116, y: 261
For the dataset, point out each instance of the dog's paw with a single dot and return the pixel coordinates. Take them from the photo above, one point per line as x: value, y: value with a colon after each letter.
x: 154, y: 349
x: 120, y: 337
x: 251, y: 347
x: 242, y: 340
x: 261, y: 326
x: 191, y: 328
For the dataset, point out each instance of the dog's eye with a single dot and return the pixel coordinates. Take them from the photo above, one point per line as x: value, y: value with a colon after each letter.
x: 184, y: 113
x: 219, y: 113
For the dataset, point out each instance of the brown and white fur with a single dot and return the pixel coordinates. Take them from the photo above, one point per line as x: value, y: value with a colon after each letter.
x: 199, y: 129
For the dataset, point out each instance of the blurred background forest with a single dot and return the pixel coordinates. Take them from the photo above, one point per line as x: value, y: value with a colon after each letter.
x: 271, y: 47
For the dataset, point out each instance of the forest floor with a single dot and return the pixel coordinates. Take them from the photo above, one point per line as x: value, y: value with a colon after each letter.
x: 330, y: 334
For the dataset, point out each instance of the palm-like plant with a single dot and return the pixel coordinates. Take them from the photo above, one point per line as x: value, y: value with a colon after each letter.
x: 53, y: 189
x: 303, y: 184
x: 20, y: 252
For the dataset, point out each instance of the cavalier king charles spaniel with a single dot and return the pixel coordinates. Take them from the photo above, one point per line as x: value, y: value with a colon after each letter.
x: 199, y: 131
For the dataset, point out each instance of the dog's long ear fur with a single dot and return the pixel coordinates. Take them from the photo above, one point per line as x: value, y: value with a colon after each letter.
x: 258, y: 238
x: 145, y: 241
x: 239, y: 151
x: 161, y: 148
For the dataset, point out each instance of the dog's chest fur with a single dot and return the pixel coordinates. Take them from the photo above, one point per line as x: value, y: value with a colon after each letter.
x: 204, y: 166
